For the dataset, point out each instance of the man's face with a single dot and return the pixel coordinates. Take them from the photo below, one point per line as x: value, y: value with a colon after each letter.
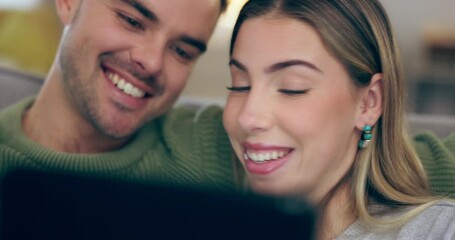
x: 125, y: 62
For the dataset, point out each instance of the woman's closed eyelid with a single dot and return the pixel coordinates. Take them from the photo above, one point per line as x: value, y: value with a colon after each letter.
x: 293, y: 92
x: 239, y: 83
x: 284, y: 91
x: 239, y: 89
x: 292, y: 86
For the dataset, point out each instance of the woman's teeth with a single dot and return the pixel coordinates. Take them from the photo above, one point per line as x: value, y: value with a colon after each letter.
x: 125, y: 86
x: 260, y: 157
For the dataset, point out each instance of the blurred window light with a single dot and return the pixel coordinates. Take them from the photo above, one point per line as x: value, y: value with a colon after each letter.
x: 230, y: 16
x: 18, y: 4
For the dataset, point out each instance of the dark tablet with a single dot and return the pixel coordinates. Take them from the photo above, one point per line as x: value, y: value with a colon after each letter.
x: 50, y: 206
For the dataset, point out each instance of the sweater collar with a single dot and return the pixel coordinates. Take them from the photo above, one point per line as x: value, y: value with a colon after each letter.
x: 123, y: 158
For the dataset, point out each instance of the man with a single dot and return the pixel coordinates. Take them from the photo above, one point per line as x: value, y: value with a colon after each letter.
x: 121, y: 65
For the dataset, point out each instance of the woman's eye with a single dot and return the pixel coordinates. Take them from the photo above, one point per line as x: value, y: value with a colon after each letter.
x: 239, y: 89
x: 131, y: 21
x: 292, y: 92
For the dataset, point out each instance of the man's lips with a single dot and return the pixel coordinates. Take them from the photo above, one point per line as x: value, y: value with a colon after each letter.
x: 129, y: 85
x: 126, y: 92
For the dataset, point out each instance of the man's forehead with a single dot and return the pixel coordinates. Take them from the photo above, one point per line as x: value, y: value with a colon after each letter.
x: 153, y: 9
x: 193, y: 21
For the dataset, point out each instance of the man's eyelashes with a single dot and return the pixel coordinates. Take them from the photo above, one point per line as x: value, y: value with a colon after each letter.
x: 133, y: 23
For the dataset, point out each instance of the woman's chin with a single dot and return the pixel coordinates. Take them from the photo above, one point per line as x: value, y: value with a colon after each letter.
x: 266, y: 189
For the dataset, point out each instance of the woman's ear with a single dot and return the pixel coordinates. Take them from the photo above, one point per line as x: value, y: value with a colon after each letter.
x: 67, y: 10
x: 371, y: 103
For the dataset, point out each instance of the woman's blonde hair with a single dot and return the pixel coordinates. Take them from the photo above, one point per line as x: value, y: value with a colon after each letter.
x: 358, y: 33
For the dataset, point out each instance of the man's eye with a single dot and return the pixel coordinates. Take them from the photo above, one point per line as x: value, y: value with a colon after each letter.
x: 182, y: 53
x: 292, y: 92
x: 239, y: 89
x: 131, y: 21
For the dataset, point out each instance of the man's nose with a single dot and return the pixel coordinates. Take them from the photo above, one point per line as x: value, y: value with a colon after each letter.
x: 149, y: 57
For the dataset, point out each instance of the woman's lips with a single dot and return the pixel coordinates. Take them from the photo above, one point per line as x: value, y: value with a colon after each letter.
x: 264, y: 159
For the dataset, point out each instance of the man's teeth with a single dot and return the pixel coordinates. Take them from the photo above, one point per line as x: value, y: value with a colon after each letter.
x: 264, y: 156
x: 125, y: 86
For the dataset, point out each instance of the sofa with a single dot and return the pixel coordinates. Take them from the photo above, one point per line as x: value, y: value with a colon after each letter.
x: 15, y: 85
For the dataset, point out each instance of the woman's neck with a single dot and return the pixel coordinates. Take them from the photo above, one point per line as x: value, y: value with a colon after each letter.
x: 336, y: 214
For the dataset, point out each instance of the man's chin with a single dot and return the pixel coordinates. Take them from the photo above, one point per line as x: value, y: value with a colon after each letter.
x: 117, y: 135
x: 118, y: 131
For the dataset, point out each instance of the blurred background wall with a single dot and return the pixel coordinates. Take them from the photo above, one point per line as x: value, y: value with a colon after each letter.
x: 29, y: 33
x: 426, y: 35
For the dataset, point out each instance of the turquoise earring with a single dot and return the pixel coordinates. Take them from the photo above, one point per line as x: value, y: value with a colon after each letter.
x: 366, y: 137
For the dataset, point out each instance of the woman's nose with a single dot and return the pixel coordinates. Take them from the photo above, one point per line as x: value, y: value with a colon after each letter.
x: 256, y: 115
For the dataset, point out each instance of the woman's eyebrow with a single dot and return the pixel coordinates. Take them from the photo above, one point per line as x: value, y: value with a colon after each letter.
x: 279, y: 66
x: 293, y: 62
x: 238, y: 65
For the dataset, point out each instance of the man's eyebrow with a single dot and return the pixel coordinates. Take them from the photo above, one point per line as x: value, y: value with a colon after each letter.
x: 238, y: 65
x: 147, y: 13
x: 289, y: 63
x: 200, y: 45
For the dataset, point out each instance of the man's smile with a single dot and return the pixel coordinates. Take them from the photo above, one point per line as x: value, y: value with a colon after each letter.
x: 125, y: 86
x: 125, y: 90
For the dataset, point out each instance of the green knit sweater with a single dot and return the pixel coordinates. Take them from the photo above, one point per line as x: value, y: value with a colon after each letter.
x: 181, y: 148
x: 438, y: 159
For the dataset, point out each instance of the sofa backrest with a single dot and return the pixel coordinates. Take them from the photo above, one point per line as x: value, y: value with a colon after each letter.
x: 16, y: 85
x: 441, y: 125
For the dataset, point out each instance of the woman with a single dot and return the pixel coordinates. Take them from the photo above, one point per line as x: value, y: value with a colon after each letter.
x: 316, y: 110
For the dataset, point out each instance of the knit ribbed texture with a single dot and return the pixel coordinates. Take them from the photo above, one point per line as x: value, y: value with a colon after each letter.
x: 435, y: 222
x: 180, y: 148
x: 438, y: 159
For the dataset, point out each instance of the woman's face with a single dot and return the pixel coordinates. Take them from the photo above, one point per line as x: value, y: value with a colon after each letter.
x: 291, y: 113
